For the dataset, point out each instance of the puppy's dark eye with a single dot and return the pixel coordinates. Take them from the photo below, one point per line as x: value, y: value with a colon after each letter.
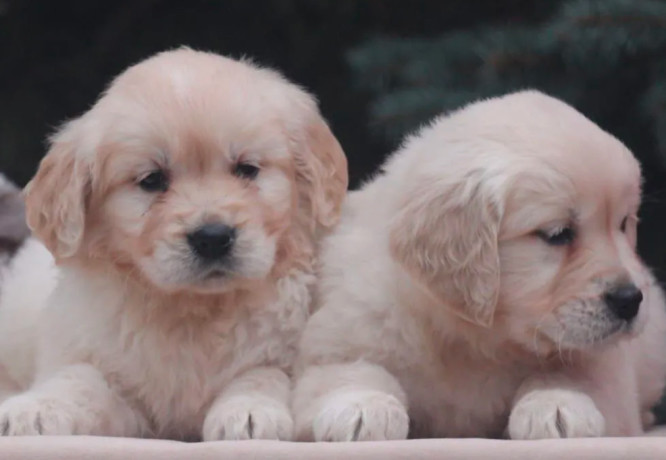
x: 623, y: 225
x: 156, y: 181
x: 559, y: 237
x: 246, y: 170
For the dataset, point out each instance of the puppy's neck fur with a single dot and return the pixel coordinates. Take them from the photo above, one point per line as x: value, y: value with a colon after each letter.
x: 295, y: 256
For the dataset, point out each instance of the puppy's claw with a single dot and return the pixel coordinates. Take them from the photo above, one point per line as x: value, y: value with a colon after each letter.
x: 38, y: 424
x: 250, y: 425
x: 560, y: 424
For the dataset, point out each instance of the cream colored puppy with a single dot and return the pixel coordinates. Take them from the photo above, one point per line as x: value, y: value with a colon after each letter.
x: 487, y: 279
x: 182, y: 211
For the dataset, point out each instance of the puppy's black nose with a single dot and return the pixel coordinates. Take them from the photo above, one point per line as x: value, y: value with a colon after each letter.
x: 212, y: 242
x: 624, y: 301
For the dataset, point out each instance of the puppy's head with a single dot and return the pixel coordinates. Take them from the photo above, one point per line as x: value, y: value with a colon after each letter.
x: 521, y: 216
x: 193, y: 171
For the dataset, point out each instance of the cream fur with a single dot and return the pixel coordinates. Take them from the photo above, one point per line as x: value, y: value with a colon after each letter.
x: 136, y: 338
x: 442, y: 313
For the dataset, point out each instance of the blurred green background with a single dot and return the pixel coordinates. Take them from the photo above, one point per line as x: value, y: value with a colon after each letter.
x: 379, y: 67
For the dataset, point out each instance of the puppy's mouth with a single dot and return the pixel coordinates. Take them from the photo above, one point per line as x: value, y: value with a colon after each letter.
x: 180, y: 270
x: 615, y: 331
x: 216, y: 274
x: 586, y: 339
x: 604, y: 336
x: 586, y: 325
x: 209, y: 280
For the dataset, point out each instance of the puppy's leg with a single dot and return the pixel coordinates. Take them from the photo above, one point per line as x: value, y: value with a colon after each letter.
x: 75, y: 400
x: 255, y: 405
x: 349, y: 402
x: 570, y: 406
x: 596, y: 398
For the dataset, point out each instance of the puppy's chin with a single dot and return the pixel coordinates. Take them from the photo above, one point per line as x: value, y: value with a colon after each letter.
x: 182, y: 274
x: 213, y: 280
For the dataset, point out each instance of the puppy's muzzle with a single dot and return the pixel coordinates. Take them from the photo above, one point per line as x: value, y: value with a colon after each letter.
x: 624, y: 300
x: 212, y: 242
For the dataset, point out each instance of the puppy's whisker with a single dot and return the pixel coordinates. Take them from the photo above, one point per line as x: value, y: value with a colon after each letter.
x: 535, y: 336
x: 535, y: 344
x: 560, y: 339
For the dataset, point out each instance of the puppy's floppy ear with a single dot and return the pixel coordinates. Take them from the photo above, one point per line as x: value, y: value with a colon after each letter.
x: 56, y: 197
x: 321, y: 171
x: 446, y: 236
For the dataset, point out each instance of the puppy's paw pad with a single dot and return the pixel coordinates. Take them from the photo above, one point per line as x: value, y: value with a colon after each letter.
x: 555, y: 414
x: 23, y: 415
x: 361, y: 416
x: 249, y: 418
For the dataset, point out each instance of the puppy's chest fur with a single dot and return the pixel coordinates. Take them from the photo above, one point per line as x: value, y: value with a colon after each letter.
x: 455, y: 387
x: 172, y: 367
x: 459, y: 397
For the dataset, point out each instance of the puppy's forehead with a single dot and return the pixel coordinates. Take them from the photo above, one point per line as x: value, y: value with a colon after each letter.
x: 598, y: 166
x: 562, y: 163
x: 189, y: 104
x: 533, y: 125
x: 192, y: 79
x: 581, y: 176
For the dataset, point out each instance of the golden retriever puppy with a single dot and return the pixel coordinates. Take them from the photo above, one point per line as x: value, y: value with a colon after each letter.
x: 181, y: 211
x: 487, y: 280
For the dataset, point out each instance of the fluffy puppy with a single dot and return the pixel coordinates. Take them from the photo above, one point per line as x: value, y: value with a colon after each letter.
x: 181, y: 211
x: 486, y: 280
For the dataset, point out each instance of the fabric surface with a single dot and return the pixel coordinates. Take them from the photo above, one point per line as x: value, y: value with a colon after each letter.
x: 649, y: 447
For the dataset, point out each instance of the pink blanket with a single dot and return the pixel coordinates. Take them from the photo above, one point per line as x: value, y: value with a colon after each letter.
x: 651, y: 447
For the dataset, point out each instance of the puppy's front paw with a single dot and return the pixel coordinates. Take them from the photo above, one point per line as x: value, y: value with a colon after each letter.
x: 24, y: 415
x: 248, y: 418
x: 555, y: 414
x: 361, y: 416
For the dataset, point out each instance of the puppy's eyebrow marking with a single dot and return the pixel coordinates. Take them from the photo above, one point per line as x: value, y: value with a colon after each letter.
x: 574, y: 217
x: 164, y: 159
x: 234, y: 151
